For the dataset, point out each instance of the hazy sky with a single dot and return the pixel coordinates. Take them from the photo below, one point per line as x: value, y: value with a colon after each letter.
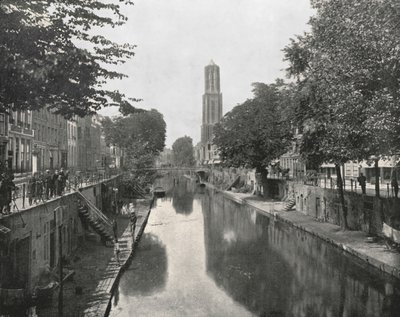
x: 176, y: 38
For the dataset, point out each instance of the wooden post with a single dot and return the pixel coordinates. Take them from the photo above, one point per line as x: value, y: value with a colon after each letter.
x: 60, y: 293
x: 23, y: 195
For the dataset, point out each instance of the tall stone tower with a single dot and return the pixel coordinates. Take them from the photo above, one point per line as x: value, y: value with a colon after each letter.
x: 212, y: 110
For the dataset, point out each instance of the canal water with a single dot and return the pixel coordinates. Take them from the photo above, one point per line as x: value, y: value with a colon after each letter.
x: 205, y: 255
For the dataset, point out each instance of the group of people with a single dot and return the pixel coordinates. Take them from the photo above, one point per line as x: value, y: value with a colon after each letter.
x: 7, y: 187
x: 362, y: 180
x: 47, y: 185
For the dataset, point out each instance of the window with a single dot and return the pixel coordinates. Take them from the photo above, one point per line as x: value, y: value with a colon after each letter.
x: 2, y: 124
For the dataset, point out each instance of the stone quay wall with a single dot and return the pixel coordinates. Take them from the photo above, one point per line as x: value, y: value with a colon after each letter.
x: 364, y: 213
x: 33, y: 243
x: 373, y: 215
x: 370, y: 214
x: 224, y: 177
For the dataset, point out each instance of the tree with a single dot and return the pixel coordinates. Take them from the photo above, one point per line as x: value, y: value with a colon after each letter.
x: 141, y: 134
x: 182, y: 150
x: 348, y: 71
x: 257, y: 131
x: 51, y: 57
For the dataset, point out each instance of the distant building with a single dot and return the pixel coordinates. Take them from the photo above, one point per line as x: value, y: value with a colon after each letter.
x: 212, y: 113
x: 116, y: 156
x: 3, y: 137
x: 50, y: 141
x: 291, y: 161
x: 16, y: 136
x: 72, y: 144
x: 165, y: 158
x: 198, y: 150
x: 88, y: 143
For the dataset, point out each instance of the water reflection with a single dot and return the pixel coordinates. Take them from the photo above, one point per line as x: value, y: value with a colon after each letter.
x: 237, y: 258
x: 149, y: 270
x: 182, y: 197
x: 204, y: 255
x: 271, y: 268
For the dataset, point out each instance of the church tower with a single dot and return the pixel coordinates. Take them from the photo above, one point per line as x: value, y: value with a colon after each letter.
x: 212, y: 109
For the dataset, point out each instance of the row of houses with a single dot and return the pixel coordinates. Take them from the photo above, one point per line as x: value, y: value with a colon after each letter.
x: 34, y: 141
x: 296, y: 168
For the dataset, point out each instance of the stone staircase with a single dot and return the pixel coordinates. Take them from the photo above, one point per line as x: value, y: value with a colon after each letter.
x: 289, y: 204
x: 96, y: 219
x: 232, y: 184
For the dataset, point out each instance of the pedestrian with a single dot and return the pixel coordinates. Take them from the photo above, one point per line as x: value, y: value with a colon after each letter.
x: 62, y: 179
x: 66, y: 179
x: 395, y: 185
x: 48, y: 180
x: 133, y: 219
x: 39, y: 187
x: 117, y: 251
x: 59, y: 184
x: 115, y: 229
x: 32, y: 189
x: 10, y: 188
x: 54, y: 188
x: 362, y: 180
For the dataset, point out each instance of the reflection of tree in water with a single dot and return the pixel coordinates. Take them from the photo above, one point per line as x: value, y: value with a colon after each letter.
x: 276, y: 270
x: 148, y: 272
x: 182, y: 197
x: 239, y: 263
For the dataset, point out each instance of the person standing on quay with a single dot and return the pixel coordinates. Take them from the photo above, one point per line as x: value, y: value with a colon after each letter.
x: 362, y: 180
x: 54, y: 184
x: 48, y: 179
x: 115, y: 229
x: 395, y: 185
x: 133, y: 219
x: 32, y: 184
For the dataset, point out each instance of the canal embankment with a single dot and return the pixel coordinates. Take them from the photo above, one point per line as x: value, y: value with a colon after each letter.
x: 97, y: 269
x: 376, y: 253
x: 102, y: 296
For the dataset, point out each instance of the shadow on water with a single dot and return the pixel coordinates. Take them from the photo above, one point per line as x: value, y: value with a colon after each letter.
x: 276, y: 270
x: 148, y: 272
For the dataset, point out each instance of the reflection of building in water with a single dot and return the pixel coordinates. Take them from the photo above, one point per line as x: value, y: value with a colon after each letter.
x: 182, y: 197
x: 271, y: 267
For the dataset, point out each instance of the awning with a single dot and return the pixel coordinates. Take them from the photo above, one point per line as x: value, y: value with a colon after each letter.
x: 328, y: 165
x: 381, y: 163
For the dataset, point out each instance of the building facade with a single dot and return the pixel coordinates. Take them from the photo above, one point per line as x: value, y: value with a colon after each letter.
x: 3, y: 137
x: 92, y: 151
x: 212, y: 113
x: 116, y: 156
x: 72, y: 144
x: 50, y: 144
